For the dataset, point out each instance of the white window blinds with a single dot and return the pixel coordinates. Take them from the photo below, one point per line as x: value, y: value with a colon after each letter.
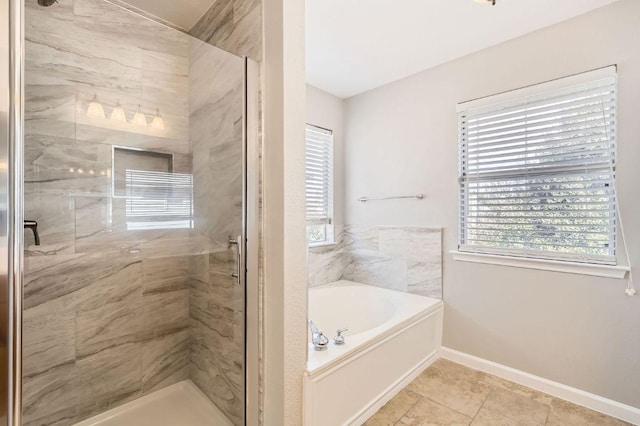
x: 318, y: 164
x: 537, y: 172
x: 158, y: 200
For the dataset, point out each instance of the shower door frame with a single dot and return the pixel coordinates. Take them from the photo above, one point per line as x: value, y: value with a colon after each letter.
x: 251, y: 232
x: 11, y: 199
x: 12, y: 50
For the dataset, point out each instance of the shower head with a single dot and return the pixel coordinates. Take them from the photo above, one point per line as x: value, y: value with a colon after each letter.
x: 47, y: 3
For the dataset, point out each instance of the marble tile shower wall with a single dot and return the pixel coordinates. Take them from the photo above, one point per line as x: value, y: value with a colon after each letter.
x: 406, y: 259
x: 106, y: 309
x: 217, y: 303
x: 235, y: 26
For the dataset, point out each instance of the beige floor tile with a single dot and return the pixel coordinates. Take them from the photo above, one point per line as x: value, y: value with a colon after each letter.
x: 564, y: 413
x: 451, y: 394
x: 428, y: 413
x: 497, y: 382
x: 394, y: 409
x: 520, y: 409
x: 490, y: 418
x: 453, y: 386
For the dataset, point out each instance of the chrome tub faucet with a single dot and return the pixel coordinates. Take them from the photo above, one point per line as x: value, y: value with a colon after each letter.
x: 319, y: 340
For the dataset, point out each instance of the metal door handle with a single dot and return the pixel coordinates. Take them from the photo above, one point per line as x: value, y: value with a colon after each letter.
x: 238, y: 243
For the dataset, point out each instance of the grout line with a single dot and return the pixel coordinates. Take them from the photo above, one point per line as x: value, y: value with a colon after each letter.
x: 448, y: 408
x: 546, y: 420
x: 409, y: 409
x: 491, y: 389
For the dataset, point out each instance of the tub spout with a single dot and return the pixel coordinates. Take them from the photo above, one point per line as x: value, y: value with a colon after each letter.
x: 319, y: 340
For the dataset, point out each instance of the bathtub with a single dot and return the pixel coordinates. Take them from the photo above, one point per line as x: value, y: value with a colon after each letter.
x: 392, y: 338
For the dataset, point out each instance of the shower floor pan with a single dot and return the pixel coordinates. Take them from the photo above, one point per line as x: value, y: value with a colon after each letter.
x: 179, y: 404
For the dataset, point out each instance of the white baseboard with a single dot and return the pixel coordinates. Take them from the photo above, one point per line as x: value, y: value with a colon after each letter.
x: 594, y: 402
x: 393, y: 390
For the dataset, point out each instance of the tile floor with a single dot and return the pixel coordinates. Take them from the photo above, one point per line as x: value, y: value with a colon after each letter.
x: 451, y: 394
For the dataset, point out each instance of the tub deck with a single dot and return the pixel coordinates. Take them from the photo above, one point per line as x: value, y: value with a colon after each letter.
x: 395, y: 337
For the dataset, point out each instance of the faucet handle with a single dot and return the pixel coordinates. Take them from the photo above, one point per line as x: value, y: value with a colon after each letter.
x: 339, y: 339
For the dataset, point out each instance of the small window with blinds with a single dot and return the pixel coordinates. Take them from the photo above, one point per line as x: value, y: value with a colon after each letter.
x: 537, y: 171
x: 319, y: 184
x: 158, y: 200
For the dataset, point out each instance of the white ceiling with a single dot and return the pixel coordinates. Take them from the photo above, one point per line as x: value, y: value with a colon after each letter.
x: 183, y: 13
x: 357, y: 45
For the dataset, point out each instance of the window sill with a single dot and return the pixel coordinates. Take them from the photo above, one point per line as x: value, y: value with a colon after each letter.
x: 325, y: 244
x: 608, y: 271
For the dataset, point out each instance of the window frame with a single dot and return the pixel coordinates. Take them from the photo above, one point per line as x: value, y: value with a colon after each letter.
x: 486, y: 254
x: 329, y: 228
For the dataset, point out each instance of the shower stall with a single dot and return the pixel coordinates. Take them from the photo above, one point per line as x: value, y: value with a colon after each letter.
x: 129, y: 221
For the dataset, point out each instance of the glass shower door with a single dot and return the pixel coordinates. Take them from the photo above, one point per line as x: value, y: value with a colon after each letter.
x: 135, y: 178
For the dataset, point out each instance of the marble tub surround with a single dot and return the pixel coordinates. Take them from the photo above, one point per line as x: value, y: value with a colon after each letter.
x: 405, y: 259
x: 326, y: 263
x: 451, y: 394
x: 111, y: 312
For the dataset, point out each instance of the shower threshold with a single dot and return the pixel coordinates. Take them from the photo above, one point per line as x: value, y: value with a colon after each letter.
x: 179, y: 404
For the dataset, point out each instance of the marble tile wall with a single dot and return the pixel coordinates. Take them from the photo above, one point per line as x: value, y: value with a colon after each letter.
x: 217, y: 302
x: 112, y: 314
x: 106, y: 309
x: 236, y: 26
x: 233, y: 25
x: 406, y: 259
x: 327, y: 263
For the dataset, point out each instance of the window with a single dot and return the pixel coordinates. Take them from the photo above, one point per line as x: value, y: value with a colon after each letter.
x: 156, y: 197
x: 159, y: 200
x: 319, y: 184
x: 537, y: 171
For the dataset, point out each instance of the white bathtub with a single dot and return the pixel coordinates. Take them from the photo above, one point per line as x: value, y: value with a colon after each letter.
x: 392, y: 338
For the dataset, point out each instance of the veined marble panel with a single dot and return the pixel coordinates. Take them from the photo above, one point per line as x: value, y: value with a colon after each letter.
x: 108, y: 311
x: 49, y: 336
x: 380, y: 271
x: 217, y: 332
x: 166, y: 63
x: 326, y: 264
x: 49, y: 109
x: 53, y: 276
x: 69, y: 393
x: 129, y: 28
x: 233, y: 25
x: 55, y: 215
x: 216, y: 137
x: 405, y: 259
x: 165, y: 360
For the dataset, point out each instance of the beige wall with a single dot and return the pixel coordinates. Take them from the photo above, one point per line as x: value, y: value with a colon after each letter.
x: 578, y: 330
x: 284, y: 245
